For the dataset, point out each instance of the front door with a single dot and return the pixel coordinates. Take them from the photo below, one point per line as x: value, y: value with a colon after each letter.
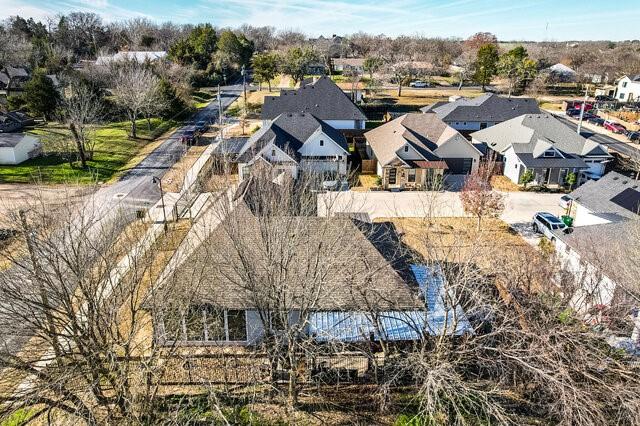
x: 547, y: 176
x: 483, y: 126
x: 392, y: 176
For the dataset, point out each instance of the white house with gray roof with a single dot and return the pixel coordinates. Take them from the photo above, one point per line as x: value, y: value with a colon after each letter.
x: 484, y: 111
x: 543, y: 144
x: 628, y: 89
x: 295, y: 143
x: 613, y: 198
x: 323, y: 99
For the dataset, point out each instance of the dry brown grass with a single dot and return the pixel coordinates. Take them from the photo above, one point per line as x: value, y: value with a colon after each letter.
x: 456, y: 239
x: 174, y: 178
x: 366, y: 183
x: 419, y: 98
x: 503, y: 183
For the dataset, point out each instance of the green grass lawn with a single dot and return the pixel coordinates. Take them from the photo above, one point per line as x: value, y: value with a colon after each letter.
x: 113, y: 149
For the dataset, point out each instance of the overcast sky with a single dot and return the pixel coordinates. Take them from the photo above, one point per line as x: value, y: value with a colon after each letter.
x: 508, y: 19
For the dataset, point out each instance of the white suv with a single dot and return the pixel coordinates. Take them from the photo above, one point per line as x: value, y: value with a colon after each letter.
x: 546, y: 223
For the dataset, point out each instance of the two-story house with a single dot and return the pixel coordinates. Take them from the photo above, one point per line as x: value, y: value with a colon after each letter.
x: 487, y: 110
x: 296, y: 143
x: 323, y: 99
x: 628, y: 89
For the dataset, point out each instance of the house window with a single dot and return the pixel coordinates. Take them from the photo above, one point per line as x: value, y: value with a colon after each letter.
x: 205, y: 323
x: 321, y: 142
x: 621, y: 95
x: 624, y: 84
x: 406, y: 148
x: 411, y: 177
x: 273, y: 152
x: 550, y: 153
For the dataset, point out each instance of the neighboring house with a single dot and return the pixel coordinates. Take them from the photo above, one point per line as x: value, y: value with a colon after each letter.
x: 484, y: 111
x: 138, y: 56
x: 316, y: 68
x: 8, y: 124
x: 561, y: 72
x: 415, y: 149
x: 542, y: 143
x: 295, y: 143
x: 606, y: 90
x: 613, y: 198
x: 348, y: 64
x: 13, y: 79
x: 18, y: 147
x: 628, y: 89
x: 222, y: 310
x: 324, y: 99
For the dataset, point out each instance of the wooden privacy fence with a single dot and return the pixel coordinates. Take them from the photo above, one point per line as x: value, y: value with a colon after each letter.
x: 369, y: 166
x: 247, y: 369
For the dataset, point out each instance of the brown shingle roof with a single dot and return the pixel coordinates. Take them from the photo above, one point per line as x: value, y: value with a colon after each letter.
x: 244, y: 257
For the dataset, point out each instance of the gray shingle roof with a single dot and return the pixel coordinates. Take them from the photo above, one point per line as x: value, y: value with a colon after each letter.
x: 289, y: 131
x: 529, y: 131
x: 323, y: 99
x: 597, y: 195
x: 11, y: 140
x: 488, y: 107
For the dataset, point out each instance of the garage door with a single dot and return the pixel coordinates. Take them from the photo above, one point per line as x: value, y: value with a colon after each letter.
x: 459, y: 166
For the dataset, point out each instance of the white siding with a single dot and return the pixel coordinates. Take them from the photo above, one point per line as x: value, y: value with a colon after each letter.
x: 20, y: 152
x: 345, y: 124
x: 459, y: 147
x: 410, y: 154
x: 7, y: 155
x: 629, y: 93
x: 594, y: 288
x: 312, y: 146
x: 512, y: 166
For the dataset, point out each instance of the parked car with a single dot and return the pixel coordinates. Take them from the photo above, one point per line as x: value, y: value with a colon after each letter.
x: 565, y: 200
x: 419, y: 84
x: 545, y: 223
x: 633, y: 136
x: 575, y: 113
x: 187, y: 137
x: 614, y: 127
x: 604, y: 98
x: 598, y: 121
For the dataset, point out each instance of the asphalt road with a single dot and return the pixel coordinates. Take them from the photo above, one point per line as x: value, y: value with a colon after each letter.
x: 612, y: 143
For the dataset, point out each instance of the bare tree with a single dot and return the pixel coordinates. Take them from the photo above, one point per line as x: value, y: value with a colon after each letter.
x: 82, y: 107
x: 478, y: 198
x: 135, y: 89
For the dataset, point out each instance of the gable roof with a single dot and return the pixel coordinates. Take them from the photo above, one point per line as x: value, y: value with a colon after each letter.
x: 356, y: 273
x: 488, y: 107
x: 289, y: 132
x: 561, y: 69
x: 324, y: 99
x: 352, y: 62
x: 424, y: 132
x: 614, y: 195
x: 11, y: 140
x: 527, y: 132
x: 14, y: 72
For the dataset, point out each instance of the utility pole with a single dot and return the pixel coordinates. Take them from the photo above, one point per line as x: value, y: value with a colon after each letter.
x: 244, y: 89
x: 219, y: 106
x: 584, y: 103
x: 158, y: 182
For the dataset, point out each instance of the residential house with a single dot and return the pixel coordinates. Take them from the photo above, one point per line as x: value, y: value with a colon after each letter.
x: 218, y: 308
x: 484, y: 111
x: 542, y: 143
x: 613, y: 198
x: 561, y: 72
x: 296, y: 143
x: 13, y: 79
x: 137, y: 56
x: 415, y: 150
x: 628, y: 89
x: 323, y: 99
x: 18, y: 147
x: 348, y: 64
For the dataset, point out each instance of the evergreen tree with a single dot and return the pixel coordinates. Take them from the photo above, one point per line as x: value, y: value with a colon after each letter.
x: 486, y: 64
x: 40, y: 96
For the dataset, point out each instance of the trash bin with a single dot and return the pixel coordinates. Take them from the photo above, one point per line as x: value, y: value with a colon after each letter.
x: 568, y: 220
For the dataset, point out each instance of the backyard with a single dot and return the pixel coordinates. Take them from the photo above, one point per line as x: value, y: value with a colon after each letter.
x: 114, y: 151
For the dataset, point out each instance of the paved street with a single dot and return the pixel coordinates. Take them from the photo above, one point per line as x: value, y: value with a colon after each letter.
x: 613, y: 144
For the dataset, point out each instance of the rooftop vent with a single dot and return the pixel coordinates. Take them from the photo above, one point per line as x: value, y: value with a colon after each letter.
x: 615, y: 178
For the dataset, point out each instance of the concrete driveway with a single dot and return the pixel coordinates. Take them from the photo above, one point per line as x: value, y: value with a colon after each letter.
x: 519, y: 206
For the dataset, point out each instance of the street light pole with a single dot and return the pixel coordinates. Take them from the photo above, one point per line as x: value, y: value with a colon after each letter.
x: 584, y: 103
x: 158, y: 182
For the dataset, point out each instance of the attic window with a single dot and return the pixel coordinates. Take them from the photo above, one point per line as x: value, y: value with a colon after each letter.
x: 406, y: 148
x: 550, y: 153
x: 273, y: 152
x: 321, y: 142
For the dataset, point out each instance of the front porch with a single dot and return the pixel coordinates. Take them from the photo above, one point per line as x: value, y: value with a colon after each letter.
x: 418, y: 175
